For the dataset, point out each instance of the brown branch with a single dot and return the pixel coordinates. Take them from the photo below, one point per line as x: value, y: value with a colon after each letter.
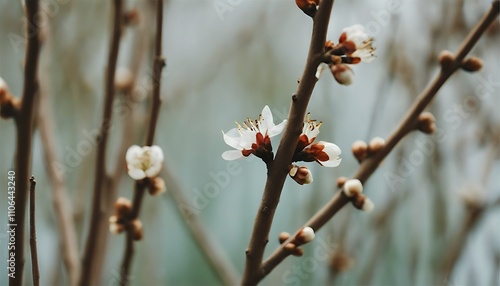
x: 408, y: 124
x: 34, y: 256
x: 278, y: 169
x: 60, y: 198
x: 140, y: 186
x: 24, y: 125
x: 100, y: 169
x: 213, y: 252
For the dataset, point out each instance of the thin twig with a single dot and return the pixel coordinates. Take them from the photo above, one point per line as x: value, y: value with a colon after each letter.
x: 34, y: 255
x: 24, y: 124
x: 140, y: 186
x: 100, y: 169
x: 213, y: 252
x: 278, y: 169
x: 369, y: 165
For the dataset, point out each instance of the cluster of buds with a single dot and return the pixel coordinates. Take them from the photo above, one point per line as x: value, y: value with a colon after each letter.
x: 121, y: 220
x: 304, y: 236
x: 301, y: 174
x: 8, y: 103
x: 361, y: 150
x: 354, y: 46
x: 144, y: 164
x: 470, y: 64
x: 353, y: 190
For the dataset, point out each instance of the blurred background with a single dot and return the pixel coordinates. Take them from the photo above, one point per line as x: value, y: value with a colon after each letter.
x: 436, y: 197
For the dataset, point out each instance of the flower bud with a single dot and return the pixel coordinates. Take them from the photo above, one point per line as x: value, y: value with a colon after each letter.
x: 283, y: 236
x: 157, y: 186
x: 376, y: 144
x: 131, y: 17
x: 305, y: 235
x: 359, y: 150
x: 352, y: 188
x: 123, y: 207
x: 301, y: 175
x: 124, y: 79
x: 115, y: 227
x: 290, y: 247
x: 9, y: 105
x: 427, y: 123
x: 308, y: 6
x: 136, y: 229
x: 363, y: 203
x: 446, y: 59
x: 320, y: 69
x: 298, y: 252
x: 341, y: 181
x: 472, y: 64
x: 343, y: 74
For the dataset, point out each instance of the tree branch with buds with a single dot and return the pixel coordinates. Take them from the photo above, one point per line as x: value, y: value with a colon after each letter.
x: 449, y: 64
x: 101, y: 175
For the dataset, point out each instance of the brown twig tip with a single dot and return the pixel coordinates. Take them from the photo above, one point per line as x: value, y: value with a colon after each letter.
x: 34, y: 254
x: 472, y: 64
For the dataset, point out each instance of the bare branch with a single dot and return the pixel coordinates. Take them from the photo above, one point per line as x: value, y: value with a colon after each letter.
x: 34, y: 255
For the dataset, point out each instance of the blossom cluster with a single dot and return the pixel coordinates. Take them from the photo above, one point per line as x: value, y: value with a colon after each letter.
x: 354, y: 46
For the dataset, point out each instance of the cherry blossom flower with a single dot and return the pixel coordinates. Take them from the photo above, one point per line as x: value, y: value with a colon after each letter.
x: 253, y: 137
x: 357, y: 43
x: 144, y: 161
x: 325, y: 153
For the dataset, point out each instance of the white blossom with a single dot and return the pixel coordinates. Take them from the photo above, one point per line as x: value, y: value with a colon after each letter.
x: 144, y: 161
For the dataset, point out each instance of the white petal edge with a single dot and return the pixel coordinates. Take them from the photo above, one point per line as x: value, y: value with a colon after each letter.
x: 333, y: 151
x: 232, y: 141
x: 266, y: 122
x: 277, y: 129
x: 232, y: 155
x: 156, y: 154
x: 135, y: 173
x: 132, y: 153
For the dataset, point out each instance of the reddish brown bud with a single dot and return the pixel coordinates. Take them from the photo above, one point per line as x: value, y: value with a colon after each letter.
x: 290, y: 247
x: 301, y: 175
x: 376, y: 144
x: 426, y: 123
x: 131, y: 17
x: 446, y: 59
x: 472, y: 64
x: 363, y: 203
x: 136, y: 229
x: 283, y: 237
x: 308, y: 6
x: 157, y: 186
x: 343, y: 74
x: 341, y: 181
x: 123, y: 207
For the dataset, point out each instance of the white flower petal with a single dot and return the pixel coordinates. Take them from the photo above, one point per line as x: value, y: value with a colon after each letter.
x: 232, y: 155
x: 133, y: 154
x: 319, y: 71
x: 156, y: 154
x: 136, y: 173
x: 153, y: 171
x: 232, y: 141
x: 266, y: 121
x: 277, y: 129
x: 333, y: 151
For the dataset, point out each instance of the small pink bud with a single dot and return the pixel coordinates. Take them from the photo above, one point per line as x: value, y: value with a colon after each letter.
x: 352, y: 188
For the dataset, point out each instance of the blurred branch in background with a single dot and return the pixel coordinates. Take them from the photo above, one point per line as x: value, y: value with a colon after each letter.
x: 449, y: 64
x: 101, y: 176
x: 214, y: 253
